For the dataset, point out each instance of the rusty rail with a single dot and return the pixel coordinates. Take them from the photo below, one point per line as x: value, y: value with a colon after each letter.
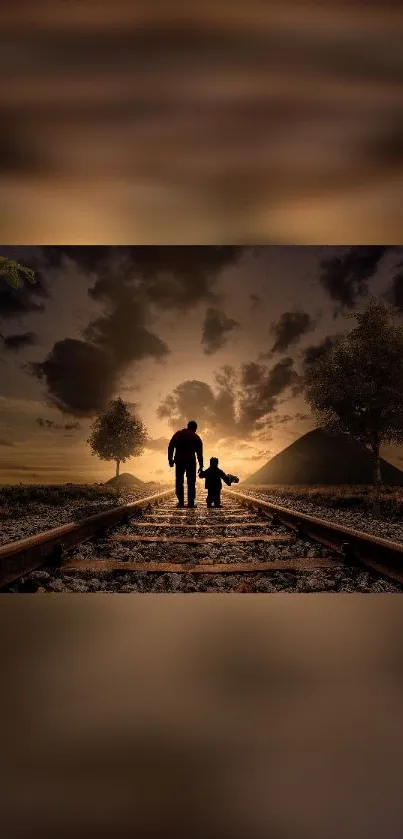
x: 25, y: 555
x: 382, y: 555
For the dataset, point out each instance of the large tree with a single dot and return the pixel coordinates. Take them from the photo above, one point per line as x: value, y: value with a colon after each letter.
x: 12, y: 270
x: 357, y: 386
x: 116, y: 434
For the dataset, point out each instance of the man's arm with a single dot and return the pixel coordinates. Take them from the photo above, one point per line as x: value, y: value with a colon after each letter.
x: 199, y: 451
x: 171, y: 449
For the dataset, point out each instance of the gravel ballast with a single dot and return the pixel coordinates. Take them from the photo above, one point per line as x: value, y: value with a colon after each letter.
x: 224, y: 522
x: 356, y: 518
x: 34, y: 516
x: 234, y: 519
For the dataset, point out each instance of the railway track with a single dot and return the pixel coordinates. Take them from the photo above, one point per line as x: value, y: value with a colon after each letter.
x: 247, y: 545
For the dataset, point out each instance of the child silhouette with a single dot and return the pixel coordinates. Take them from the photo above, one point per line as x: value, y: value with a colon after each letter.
x: 213, y: 477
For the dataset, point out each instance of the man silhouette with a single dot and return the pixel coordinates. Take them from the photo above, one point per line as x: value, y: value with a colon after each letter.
x: 186, y: 445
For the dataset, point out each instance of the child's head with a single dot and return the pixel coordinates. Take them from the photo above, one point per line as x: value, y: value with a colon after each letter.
x: 214, y: 462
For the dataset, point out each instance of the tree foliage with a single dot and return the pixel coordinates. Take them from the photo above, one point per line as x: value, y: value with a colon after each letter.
x: 116, y: 434
x: 11, y: 271
x: 356, y: 388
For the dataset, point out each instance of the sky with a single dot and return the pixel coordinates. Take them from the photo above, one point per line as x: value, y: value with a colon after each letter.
x: 217, y: 334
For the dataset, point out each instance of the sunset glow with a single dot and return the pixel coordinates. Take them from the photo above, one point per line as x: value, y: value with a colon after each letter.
x: 183, y: 336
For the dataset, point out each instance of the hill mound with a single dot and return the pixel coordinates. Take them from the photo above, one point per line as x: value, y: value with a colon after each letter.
x: 319, y: 457
x: 125, y: 480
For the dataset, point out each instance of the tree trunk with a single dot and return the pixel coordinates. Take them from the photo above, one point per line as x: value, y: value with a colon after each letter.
x: 376, y: 505
x: 117, y: 468
x: 377, y: 467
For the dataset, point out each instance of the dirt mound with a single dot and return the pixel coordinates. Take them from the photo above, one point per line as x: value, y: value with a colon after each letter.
x: 320, y: 458
x: 125, y: 480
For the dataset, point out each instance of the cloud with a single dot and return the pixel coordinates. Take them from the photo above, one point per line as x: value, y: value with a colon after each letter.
x: 79, y: 376
x: 212, y: 408
x: 15, y: 343
x: 7, y: 443
x: 394, y: 293
x: 261, y: 388
x: 170, y: 277
x: 285, y: 419
x: 255, y: 301
x: 263, y: 453
x: 289, y: 329
x: 47, y: 423
x: 130, y: 284
x: 345, y: 278
x: 238, y: 406
x: 216, y: 327
x: 124, y: 334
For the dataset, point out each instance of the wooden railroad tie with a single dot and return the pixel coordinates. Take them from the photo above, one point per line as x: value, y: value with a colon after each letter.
x: 207, y: 526
x: 195, y: 540
x: 182, y: 567
x: 206, y: 516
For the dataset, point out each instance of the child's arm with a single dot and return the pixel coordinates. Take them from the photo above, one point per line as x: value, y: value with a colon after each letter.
x: 233, y: 479
x: 225, y: 478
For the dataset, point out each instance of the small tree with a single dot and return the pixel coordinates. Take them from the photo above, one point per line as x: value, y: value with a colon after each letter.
x: 357, y: 387
x: 116, y: 434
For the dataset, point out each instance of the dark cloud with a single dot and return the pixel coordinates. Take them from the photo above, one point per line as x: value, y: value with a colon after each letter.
x: 79, y: 376
x: 191, y: 399
x: 263, y: 453
x: 261, y: 388
x: 171, y: 277
x: 129, y: 283
x: 255, y: 301
x: 345, y: 278
x: 212, y: 408
x: 394, y: 294
x: 7, y: 443
x: 237, y: 406
x: 68, y: 426
x: 123, y: 333
x: 314, y: 352
x: 17, y: 342
x: 216, y: 328
x: 301, y: 417
x: 289, y: 329
x: 284, y: 419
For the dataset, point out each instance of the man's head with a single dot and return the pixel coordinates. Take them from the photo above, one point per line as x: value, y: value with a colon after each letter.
x: 213, y: 461
x: 192, y: 425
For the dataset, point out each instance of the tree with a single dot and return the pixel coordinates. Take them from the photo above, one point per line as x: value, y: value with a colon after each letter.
x: 11, y: 270
x: 116, y: 434
x: 356, y: 388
